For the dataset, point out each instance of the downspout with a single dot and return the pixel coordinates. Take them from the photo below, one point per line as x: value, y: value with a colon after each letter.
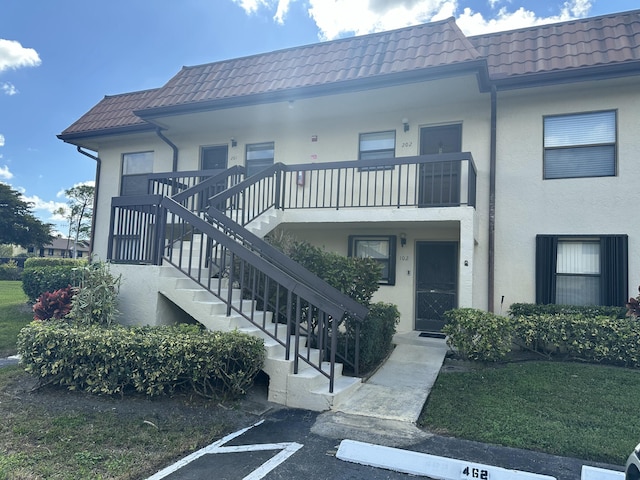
x: 173, y: 147
x: 492, y: 200
x: 95, y: 198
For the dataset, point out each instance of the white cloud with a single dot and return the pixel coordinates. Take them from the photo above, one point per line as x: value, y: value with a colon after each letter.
x: 14, y: 55
x: 473, y: 23
x: 1, y: 140
x: 61, y: 194
x: 43, y: 205
x: 5, y: 173
x: 8, y: 88
x: 340, y: 18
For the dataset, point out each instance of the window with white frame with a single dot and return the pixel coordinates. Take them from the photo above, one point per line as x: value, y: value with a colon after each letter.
x: 259, y: 157
x: 580, y: 145
x: 135, y: 168
x: 577, y: 270
x: 377, y: 145
x: 381, y: 248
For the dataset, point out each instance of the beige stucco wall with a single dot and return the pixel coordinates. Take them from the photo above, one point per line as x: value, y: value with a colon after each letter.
x: 527, y: 205
x: 327, y: 129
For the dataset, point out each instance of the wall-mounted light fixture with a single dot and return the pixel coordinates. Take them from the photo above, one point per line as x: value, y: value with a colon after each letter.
x: 405, y: 124
x: 234, y: 143
x: 403, y: 239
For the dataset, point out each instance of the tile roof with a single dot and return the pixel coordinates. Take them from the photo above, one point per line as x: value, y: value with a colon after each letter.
x: 591, y: 42
x: 436, y: 44
x: 112, y: 113
x: 577, y: 47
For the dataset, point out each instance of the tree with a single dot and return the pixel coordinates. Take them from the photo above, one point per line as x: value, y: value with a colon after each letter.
x: 18, y: 225
x: 78, y: 213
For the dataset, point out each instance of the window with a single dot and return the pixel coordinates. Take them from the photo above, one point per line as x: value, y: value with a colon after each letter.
x: 580, y: 145
x: 259, y: 157
x: 581, y: 270
x: 377, y: 145
x: 381, y: 248
x: 135, y: 167
x: 214, y: 158
x: 50, y: 252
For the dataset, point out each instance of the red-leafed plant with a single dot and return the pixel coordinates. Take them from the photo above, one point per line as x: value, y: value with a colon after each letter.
x: 55, y: 304
x: 633, y: 306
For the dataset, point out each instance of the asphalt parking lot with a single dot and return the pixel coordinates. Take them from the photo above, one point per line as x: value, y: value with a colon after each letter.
x: 305, y: 449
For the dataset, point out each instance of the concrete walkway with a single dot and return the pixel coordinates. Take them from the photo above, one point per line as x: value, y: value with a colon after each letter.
x: 388, y: 405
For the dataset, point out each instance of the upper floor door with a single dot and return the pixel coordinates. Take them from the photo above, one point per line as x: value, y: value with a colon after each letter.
x: 213, y: 158
x: 440, y: 180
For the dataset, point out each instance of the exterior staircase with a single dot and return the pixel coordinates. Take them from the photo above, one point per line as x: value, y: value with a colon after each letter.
x: 307, y: 388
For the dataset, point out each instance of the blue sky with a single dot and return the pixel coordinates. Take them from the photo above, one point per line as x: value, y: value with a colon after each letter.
x: 58, y: 58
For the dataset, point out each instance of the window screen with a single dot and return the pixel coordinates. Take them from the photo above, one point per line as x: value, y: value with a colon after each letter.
x: 580, y: 145
x: 259, y: 157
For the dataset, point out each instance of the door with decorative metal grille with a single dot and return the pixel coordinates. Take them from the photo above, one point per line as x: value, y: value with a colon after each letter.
x: 436, y: 283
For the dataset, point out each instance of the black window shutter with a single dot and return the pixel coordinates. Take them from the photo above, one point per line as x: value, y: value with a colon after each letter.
x: 614, y: 269
x: 546, y: 252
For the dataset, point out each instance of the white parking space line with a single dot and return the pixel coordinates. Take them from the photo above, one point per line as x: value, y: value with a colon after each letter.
x: 422, y: 464
x: 288, y: 449
x: 595, y: 473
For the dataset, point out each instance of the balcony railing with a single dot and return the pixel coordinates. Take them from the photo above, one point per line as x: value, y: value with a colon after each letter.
x: 215, y: 206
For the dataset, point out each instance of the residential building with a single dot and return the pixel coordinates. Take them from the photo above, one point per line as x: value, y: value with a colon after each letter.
x: 62, y: 248
x: 479, y: 171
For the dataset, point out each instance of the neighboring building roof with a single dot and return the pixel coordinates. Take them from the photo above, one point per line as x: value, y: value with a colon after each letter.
x: 608, y: 45
x: 60, y: 243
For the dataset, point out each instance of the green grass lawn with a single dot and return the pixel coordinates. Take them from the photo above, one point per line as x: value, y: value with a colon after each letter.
x: 569, y: 409
x: 14, y: 314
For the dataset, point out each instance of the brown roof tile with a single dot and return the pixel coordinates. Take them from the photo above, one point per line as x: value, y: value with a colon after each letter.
x: 590, y: 42
x: 112, y: 112
x: 514, y: 56
x: 421, y: 47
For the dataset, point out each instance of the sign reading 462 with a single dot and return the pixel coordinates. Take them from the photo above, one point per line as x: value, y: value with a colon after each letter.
x: 473, y: 472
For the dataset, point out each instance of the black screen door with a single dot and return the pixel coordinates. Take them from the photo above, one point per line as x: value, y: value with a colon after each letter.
x: 440, y: 181
x: 436, y: 283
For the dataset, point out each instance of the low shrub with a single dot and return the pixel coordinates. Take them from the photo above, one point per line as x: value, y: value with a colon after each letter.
x: 376, y: 335
x: 478, y: 335
x: 353, y: 276
x: 525, y: 309
x: 96, y: 296
x: 39, y: 277
x: 37, y: 262
x: 55, y: 304
x: 150, y: 360
x: 10, y: 271
x: 598, y: 339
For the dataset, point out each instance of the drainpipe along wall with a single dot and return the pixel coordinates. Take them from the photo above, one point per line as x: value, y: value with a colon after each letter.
x: 173, y: 147
x: 492, y: 200
x: 95, y: 197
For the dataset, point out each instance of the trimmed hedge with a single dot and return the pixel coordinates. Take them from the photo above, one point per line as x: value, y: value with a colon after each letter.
x: 597, y: 339
x: 519, y: 309
x: 568, y: 332
x: 150, y: 360
x: 10, y: 271
x: 49, y: 274
x: 478, y: 335
x: 376, y: 335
